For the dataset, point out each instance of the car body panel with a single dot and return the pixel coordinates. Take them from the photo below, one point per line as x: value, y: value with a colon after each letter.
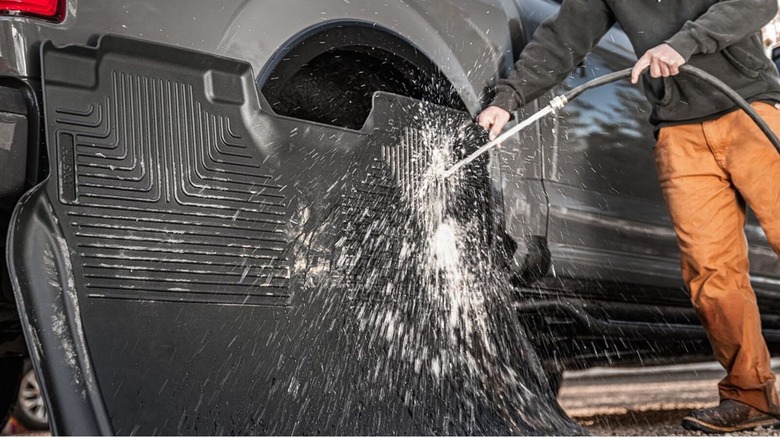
x: 467, y: 41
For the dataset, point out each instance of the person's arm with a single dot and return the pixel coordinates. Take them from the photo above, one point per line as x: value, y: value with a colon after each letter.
x: 557, y: 47
x: 724, y: 23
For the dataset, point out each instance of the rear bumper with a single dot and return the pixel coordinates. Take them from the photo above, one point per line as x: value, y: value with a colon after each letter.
x: 19, y: 125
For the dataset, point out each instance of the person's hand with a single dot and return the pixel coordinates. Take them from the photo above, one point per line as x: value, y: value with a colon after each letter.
x: 663, y: 61
x: 493, y: 119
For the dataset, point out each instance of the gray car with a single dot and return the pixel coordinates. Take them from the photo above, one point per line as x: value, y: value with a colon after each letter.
x: 139, y: 195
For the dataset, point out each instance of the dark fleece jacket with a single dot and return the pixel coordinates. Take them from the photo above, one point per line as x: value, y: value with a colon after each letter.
x: 720, y: 37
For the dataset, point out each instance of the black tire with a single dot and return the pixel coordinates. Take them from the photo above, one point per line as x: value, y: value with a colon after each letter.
x: 10, y: 374
x: 30, y: 409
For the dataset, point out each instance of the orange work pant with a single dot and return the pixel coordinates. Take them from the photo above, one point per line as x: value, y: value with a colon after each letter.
x: 707, y: 173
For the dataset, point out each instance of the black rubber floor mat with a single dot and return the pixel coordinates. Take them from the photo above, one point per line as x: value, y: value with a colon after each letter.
x: 196, y: 265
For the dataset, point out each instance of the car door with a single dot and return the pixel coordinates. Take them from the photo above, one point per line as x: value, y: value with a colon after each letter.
x: 608, y: 222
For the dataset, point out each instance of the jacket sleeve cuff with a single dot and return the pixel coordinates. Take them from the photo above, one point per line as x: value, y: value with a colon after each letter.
x: 684, y: 44
x: 506, y: 98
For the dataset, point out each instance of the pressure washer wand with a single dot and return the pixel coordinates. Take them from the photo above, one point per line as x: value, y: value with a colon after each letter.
x: 555, y: 105
x: 560, y: 101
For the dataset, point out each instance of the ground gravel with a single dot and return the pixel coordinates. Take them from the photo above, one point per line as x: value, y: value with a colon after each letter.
x: 644, y: 401
x: 651, y: 422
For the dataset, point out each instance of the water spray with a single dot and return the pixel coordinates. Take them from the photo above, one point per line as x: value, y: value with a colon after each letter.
x: 557, y: 103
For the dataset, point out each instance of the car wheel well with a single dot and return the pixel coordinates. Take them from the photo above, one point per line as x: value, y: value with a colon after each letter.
x: 330, y: 75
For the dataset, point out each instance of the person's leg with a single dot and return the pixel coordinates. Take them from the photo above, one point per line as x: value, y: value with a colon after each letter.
x: 755, y: 168
x: 733, y: 139
x: 708, y: 215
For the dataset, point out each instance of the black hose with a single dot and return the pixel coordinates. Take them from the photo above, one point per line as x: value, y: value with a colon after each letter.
x: 693, y: 71
x: 599, y: 81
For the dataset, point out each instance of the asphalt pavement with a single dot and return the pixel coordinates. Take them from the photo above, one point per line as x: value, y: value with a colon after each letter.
x: 643, y: 401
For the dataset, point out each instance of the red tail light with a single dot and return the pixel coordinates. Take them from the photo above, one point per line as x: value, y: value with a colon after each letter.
x: 51, y: 9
